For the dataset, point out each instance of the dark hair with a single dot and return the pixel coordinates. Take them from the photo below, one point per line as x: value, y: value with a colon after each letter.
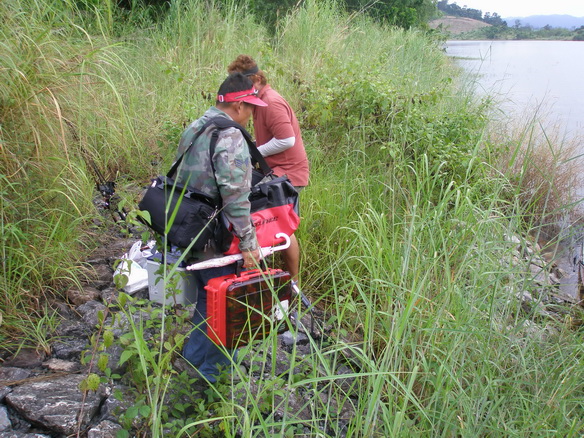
x: 234, y: 82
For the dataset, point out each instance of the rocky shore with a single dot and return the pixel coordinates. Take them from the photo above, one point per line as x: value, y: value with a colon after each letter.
x: 40, y: 392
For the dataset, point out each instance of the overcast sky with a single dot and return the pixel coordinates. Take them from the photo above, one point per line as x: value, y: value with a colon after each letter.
x: 524, y: 8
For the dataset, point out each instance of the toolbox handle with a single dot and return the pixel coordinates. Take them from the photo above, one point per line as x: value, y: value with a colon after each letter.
x: 227, y: 260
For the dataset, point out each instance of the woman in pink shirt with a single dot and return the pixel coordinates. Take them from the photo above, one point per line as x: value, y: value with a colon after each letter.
x: 279, y: 140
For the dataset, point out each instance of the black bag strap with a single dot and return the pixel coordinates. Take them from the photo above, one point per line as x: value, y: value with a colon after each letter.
x: 224, y: 123
x: 174, y: 167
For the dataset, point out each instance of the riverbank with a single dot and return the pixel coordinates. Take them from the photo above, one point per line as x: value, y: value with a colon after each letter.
x: 405, y: 231
x: 463, y: 28
x: 40, y: 387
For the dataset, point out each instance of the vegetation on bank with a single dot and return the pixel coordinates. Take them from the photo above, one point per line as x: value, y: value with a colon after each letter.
x: 499, y: 29
x: 522, y: 32
x: 406, y: 222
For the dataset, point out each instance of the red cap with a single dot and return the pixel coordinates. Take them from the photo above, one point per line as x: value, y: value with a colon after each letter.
x: 249, y: 96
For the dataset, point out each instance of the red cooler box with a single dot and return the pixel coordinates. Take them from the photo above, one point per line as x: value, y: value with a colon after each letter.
x: 243, y: 308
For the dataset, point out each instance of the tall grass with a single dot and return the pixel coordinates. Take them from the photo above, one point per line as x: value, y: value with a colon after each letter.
x: 405, y: 232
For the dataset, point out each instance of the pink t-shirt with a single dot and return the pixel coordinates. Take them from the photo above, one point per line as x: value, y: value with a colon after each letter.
x: 278, y: 120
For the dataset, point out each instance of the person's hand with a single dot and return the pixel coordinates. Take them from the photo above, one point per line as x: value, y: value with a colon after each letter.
x: 251, y: 258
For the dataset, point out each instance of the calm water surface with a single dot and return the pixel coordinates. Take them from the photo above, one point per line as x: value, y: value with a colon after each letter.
x: 525, y: 75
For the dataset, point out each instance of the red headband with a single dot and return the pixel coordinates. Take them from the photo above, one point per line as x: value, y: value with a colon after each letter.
x: 249, y: 96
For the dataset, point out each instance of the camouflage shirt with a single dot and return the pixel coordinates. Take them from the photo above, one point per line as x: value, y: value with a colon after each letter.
x: 231, y: 181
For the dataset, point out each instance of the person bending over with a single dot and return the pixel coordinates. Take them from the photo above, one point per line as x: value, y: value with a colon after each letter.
x: 279, y: 140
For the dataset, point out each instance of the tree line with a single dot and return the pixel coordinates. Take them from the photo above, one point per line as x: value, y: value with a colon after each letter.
x: 402, y: 13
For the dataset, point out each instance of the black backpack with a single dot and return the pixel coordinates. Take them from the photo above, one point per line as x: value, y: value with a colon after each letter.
x: 194, y: 216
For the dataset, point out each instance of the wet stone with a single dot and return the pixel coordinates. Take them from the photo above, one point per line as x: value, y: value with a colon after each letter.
x: 90, y: 312
x: 26, y: 358
x: 18, y: 434
x: 4, y: 391
x: 11, y: 374
x: 69, y: 349
x: 56, y: 403
x: 105, y: 429
x: 5, y: 423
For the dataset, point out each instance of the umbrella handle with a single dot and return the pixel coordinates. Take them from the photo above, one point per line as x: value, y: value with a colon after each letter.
x: 227, y: 260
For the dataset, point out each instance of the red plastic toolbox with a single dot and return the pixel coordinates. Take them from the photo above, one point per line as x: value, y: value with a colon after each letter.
x: 241, y: 308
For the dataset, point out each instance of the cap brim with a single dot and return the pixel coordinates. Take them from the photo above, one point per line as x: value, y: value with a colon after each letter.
x: 254, y: 101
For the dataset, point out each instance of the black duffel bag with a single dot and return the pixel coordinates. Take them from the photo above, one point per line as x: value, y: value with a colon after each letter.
x: 192, y: 216
x: 196, y: 220
x: 184, y: 216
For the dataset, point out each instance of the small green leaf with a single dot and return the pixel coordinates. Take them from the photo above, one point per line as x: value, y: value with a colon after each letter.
x: 132, y: 412
x: 102, y: 362
x: 127, y: 354
x: 108, y: 338
x: 122, y: 433
x: 121, y: 280
x: 145, y: 236
x: 90, y: 383
x: 145, y: 411
x: 122, y: 299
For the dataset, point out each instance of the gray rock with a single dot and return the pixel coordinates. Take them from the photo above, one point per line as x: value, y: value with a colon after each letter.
x: 120, y: 399
x: 73, y: 329
x: 90, y: 312
x: 109, y: 295
x: 4, y: 391
x: 525, y: 296
x: 55, y: 404
x: 287, y: 339
x: 17, y: 434
x: 69, y: 349
x: 282, y: 362
x: 12, y: 374
x: 105, y: 429
x: 26, y: 358
x: 115, y: 353
x: 100, y: 276
x: 72, y: 339
x: 345, y: 380
x: 554, y: 279
x: 63, y: 309
x: 5, y: 423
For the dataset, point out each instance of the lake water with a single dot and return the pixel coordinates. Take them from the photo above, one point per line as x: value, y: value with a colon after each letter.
x: 529, y: 75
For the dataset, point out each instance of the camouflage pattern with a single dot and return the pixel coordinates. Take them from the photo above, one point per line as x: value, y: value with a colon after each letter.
x: 232, y: 179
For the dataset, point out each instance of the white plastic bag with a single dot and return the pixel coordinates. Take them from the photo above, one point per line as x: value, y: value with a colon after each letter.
x: 133, y: 266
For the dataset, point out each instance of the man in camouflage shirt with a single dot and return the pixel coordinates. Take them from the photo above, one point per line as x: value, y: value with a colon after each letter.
x: 227, y: 178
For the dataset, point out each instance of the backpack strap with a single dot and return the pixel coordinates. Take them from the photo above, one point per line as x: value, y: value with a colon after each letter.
x: 174, y: 167
x: 224, y: 123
